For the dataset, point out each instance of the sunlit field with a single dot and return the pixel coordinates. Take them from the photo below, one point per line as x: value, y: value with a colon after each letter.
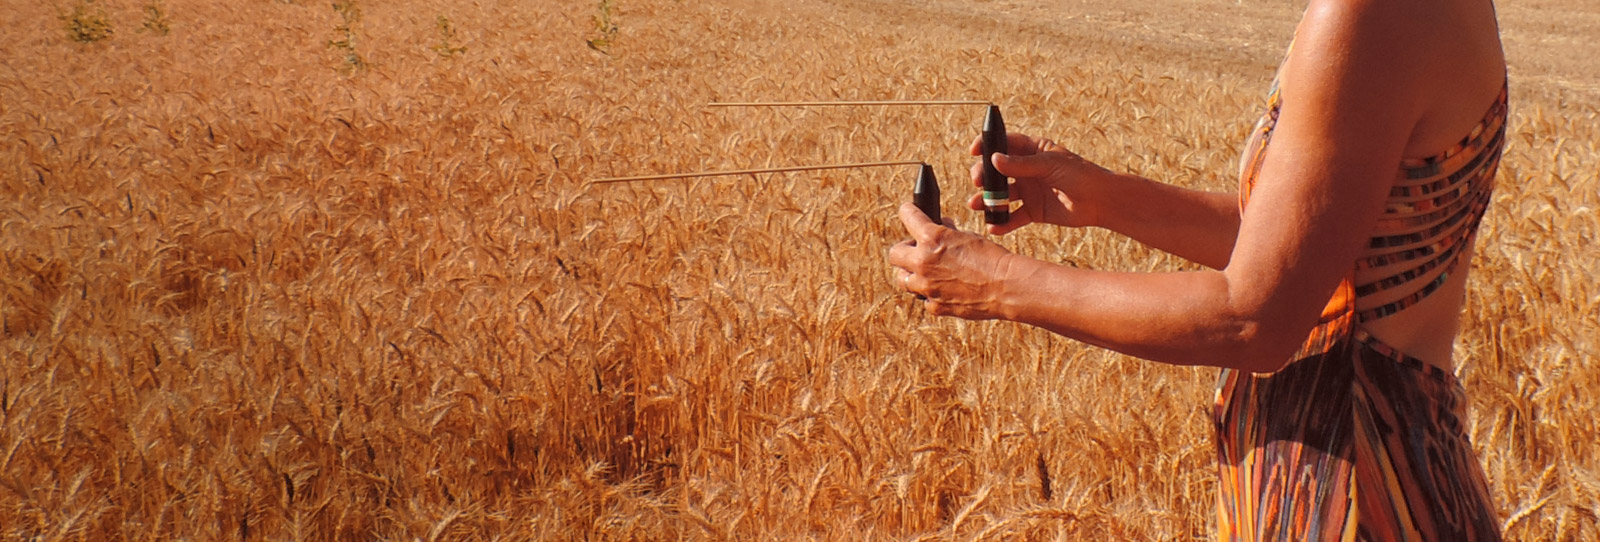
x: 281, y: 269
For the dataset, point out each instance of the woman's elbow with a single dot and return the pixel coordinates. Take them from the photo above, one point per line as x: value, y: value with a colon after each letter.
x: 1254, y: 346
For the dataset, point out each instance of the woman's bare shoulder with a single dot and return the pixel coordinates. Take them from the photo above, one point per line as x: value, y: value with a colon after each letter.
x: 1442, y: 58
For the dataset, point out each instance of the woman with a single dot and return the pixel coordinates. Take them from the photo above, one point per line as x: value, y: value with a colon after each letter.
x: 1336, y: 277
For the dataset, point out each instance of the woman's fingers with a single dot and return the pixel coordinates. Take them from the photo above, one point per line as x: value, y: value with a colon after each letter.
x: 954, y: 272
x: 1037, y: 165
x: 1019, y: 217
x: 1022, y: 144
x: 904, y: 278
x: 1018, y: 144
x: 922, y: 229
x: 1024, y: 157
x: 924, y: 233
x: 903, y: 255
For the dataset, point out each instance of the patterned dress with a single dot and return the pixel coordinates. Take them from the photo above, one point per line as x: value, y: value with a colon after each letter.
x: 1355, y: 440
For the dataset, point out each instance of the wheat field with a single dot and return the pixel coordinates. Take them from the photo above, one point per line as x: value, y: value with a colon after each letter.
x: 283, y: 270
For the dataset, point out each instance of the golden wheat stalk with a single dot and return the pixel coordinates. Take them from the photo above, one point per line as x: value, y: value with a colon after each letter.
x: 728, y: 173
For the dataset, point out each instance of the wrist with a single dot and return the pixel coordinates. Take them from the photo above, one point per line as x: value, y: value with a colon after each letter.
x: 1013, y: 287
x: 1108, y: 199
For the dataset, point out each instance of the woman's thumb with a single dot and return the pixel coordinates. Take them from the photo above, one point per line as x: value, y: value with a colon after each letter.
x: 1021, y: 166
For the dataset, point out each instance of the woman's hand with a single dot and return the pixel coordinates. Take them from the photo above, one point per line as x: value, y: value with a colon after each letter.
x: 1055, y: 185
x: 955, y: 272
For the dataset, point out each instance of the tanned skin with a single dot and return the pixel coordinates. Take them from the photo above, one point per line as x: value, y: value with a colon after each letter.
x: 1367, y: 83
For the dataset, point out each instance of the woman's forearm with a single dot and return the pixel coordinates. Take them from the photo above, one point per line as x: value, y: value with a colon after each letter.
x: 1196, y: 225
x: 1251, y: 315
x: 1185, y: 318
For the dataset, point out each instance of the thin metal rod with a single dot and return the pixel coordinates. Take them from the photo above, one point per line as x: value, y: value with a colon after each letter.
x: 826, y: 104
x: 610, y: 180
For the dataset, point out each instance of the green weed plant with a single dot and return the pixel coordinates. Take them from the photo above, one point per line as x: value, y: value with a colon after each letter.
x: 155, y: 19
x: 349, y: 15
x: 447, y: 39
x: 604, y: 26
x: 87, y: 22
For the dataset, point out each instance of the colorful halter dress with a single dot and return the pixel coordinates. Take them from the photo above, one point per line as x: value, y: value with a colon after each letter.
x: 1355, y: 440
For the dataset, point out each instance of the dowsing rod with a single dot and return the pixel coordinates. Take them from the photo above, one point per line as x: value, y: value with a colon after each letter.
x: 996, y: 187
x: 610, y: 180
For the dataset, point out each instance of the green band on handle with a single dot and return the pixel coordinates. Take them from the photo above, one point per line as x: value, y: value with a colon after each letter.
x: 999, y: 195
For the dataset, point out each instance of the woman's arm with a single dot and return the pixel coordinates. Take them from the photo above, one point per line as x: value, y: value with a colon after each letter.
x: 1350, y: 104
x: 1056, y: 186
x: 1196, y: 225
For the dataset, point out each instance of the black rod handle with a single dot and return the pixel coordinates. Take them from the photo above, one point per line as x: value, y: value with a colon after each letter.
x: 925, y: 194
x: 996, y: 189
